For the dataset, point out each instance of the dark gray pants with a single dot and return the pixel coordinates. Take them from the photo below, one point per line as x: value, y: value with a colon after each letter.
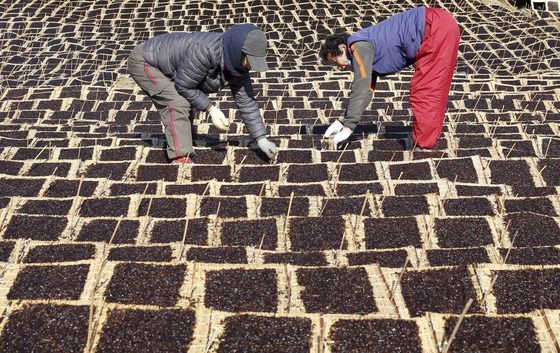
x: 175, y: 111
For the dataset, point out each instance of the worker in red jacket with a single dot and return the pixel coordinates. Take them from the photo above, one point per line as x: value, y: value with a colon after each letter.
x: 427, y: 38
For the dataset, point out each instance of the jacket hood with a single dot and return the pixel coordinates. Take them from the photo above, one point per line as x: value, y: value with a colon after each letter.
x: 233, y: 41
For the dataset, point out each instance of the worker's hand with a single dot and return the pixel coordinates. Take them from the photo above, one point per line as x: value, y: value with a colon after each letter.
x: 335, y: 128
x: 269, y: 148
x: 343, y: 135
x: 218, y: 118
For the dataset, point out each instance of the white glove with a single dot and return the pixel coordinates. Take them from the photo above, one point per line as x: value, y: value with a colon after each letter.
x: 269, y: 148
x: 342, y: 135
x: 218, y: 119
x: 335, y: 128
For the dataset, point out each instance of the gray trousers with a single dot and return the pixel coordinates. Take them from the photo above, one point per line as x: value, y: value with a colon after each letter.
x: 175, y: 111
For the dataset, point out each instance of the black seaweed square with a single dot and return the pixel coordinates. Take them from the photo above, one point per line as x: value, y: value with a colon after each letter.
x: 242, y: 290
x: 481, y: 334
x: 336, y: 290
x: 442, y: 291
x: 524, y: 291
x: 391, y: 232
x: 49, y: 282
x: 261, y: 233
x: 54, y: 328
x: 462, y: 232
x: 382, y: 335
x: 269, y: 334
x: 35, y: 227
x: 146, y: 331
x: 145, y: 284
x: 316, y: 233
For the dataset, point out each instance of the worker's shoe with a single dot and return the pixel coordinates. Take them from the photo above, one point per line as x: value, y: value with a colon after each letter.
x: 182, y: 160
x: 412, y: 146
x: 420, y: 149
x: 408, y: 142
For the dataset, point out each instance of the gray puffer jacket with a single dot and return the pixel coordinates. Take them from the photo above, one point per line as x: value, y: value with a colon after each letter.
x: 195, y: 62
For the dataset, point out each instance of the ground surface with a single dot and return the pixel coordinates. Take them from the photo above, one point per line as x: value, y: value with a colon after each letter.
x: 106, y: 247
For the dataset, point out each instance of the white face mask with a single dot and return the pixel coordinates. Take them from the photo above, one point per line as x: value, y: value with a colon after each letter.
x: 348, y: 60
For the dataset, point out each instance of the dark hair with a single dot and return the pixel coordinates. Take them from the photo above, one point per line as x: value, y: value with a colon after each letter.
x: 330, y: 46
